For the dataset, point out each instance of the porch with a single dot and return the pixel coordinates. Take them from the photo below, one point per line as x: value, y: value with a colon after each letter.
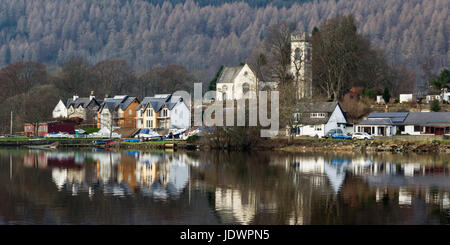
x: 376, y: 130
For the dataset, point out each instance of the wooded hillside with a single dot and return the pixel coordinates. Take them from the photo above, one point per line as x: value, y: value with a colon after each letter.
x: 149, y: 33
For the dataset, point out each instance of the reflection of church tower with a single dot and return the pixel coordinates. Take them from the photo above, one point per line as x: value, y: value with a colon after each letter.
x: 301, y: 68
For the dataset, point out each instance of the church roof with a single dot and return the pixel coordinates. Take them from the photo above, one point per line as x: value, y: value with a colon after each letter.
x: 229, y: 74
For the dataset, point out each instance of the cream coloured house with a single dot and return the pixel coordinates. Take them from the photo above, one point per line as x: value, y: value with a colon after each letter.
x: 163, y: 111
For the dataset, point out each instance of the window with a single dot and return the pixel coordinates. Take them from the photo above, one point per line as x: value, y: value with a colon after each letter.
x: 149, y: 112
x: 296, y: 117
x: 318, y: 128
x: 164, y: 113
x: 308, y: 55
x: 149, y: 123
x: 318, y: 115
x: 245, y: 88
x: 130, y: 112
x: 417, y: 128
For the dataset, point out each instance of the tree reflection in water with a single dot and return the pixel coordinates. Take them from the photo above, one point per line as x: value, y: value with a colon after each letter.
x: 126, y: 187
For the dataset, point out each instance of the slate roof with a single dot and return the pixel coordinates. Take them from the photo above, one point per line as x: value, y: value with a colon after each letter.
x: 126, y: 102
x: 158, y: 101
x: 122, y: 101
x: 173, y: 101
x: 228, y: 74
x: 397, y: 118
x: 315, y: 107
x: 143, y: 103
x: 428, y: 118
x: 373, y: 121
x: 311, y: 107
x: 83, y: 102
x: 111, y: 104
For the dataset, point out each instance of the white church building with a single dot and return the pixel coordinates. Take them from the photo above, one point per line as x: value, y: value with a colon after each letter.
x: 234, y: 82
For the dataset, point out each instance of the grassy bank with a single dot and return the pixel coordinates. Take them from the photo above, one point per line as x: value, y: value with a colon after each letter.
x: 385, y: 144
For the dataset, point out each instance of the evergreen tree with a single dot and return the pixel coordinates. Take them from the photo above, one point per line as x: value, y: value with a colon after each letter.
x: 212, y: 84
x: 441, y: 81
x: 386, y: 95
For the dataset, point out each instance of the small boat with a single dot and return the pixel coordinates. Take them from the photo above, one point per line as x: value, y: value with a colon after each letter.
x: 51, y: 146
x: 103, y: 142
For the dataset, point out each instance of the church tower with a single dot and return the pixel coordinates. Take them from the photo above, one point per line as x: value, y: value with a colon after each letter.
x: 301, y: 68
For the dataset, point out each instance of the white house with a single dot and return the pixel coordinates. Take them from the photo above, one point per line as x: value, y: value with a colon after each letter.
x: 180, y: 114
x: 60, y: 110
x: 234, y: 82
x: 431, y: 123
x: 380, y: 100
x: 430, y: 98
x: 382, y: 123
x: 406, y: 98
x: 445, y: 95
x: 317, y: 118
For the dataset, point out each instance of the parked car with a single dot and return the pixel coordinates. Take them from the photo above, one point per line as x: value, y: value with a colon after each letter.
x: 341, y: 136
x: 362, y: 136
x: 333, y: 131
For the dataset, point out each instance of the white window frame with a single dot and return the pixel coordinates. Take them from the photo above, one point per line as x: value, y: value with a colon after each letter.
x: 318, y: 115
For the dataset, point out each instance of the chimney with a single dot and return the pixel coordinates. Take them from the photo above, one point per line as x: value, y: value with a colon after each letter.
x: 75, y: 97
x: 92, y: 95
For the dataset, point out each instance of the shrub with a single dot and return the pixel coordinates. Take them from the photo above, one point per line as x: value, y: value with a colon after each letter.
x: 435, y: 105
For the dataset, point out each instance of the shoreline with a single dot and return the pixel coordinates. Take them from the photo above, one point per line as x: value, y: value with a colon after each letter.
x: 361, y: 146
x: 275, y: 144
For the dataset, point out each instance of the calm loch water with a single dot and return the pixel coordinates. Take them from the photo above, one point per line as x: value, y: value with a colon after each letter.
x: 132, y: 187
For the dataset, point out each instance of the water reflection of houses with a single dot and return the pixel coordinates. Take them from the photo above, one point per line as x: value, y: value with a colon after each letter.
x: 235, y: 206
x: 408, y: 181
x: 114, y: 173
x: 320, y: 170
x: 411, y: 180
x: 162, y: 175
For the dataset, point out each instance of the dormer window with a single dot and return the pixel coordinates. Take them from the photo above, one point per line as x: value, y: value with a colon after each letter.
x: 318, y: 115
x: 149, y: 112
x: 164, y: 112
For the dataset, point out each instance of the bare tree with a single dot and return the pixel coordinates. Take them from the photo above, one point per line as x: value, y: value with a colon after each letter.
x: 278, y: 47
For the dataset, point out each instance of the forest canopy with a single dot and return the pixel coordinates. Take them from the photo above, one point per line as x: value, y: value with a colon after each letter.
x: 202, y: 37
